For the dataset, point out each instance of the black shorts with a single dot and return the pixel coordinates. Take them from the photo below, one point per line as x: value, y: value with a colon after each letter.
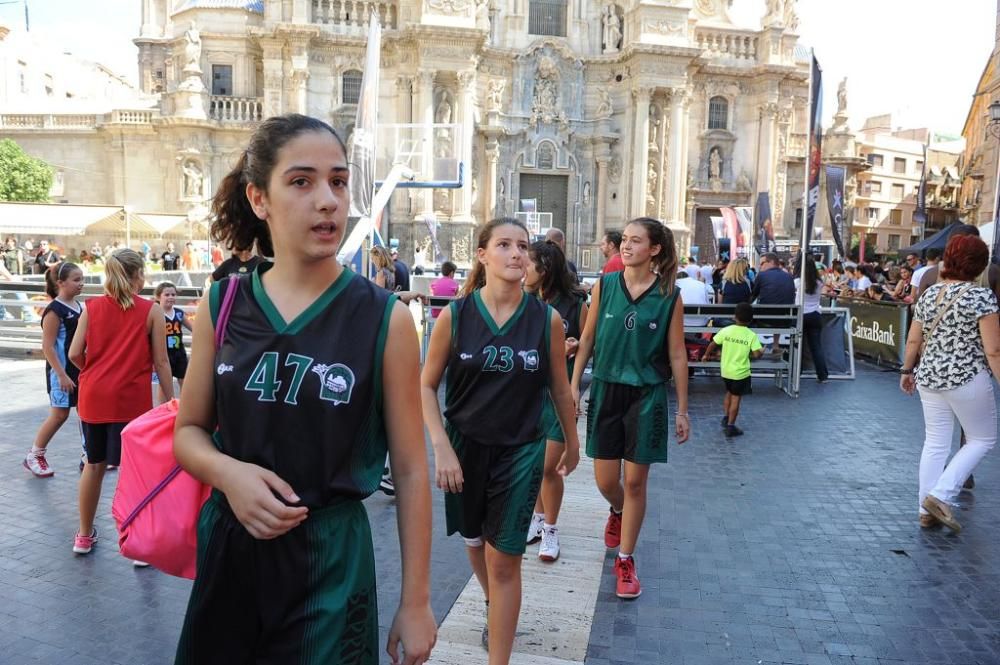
x: 178, y: 363
x: 738, y: 387
x: 103, y: 442
x: 307, y: 597
x: 500, y: 485
x: 627, y: 422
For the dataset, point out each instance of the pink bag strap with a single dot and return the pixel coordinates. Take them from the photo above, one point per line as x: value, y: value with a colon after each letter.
x: 232, y: 286
x: 149, y: 497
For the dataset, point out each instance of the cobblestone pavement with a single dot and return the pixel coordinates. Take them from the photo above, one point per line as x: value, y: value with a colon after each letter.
x: 61, y: 609
x: 798, y: 542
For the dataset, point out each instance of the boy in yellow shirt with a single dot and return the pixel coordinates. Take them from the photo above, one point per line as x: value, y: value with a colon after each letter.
x: 738, y: 344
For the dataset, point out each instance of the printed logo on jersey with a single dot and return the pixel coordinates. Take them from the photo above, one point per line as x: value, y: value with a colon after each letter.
x: 530, y: 359
x: 223, y: 368
x: 630, y: 321
x: 565, y: 327
x: 465, y: 356
x: 337, y: 382
x: 652, y: 325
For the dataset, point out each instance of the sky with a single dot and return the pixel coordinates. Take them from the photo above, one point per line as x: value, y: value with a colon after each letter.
x: 917, y: 59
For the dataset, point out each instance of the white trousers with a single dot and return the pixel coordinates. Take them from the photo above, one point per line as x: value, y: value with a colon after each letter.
x: 975, y: 409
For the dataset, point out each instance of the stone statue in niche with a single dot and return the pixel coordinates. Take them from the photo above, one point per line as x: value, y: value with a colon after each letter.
x: 791, y: 16
x: 775, y: 12
x: 715, y: 170
x: 651, y: 178
x: 842, y: 97
x: 192, y: 50
x: 193, y: 179
x: 586, y: 194
x: 604, y: 109
x: 612, y: 29
x: 494, y: 94
x: 654, y: 127
x: 442, y: 116
x: 743, y: 182
x: 690, y: 177
x: 483, y: 15
x: 501, y: 196
x: 546, y: 102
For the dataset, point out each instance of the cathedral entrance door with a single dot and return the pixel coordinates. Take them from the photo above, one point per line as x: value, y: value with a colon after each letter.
x: 551, y: 193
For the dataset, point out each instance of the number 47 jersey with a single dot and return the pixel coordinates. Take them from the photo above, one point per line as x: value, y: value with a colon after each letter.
x: 497, y: 376
x: 304, y: 398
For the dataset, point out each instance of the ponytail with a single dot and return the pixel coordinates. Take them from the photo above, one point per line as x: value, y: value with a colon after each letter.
x: 664, y: 263
x: 477, y: 276
x: 121, y: 269
x: 235, y: 224
x: 56, y: 274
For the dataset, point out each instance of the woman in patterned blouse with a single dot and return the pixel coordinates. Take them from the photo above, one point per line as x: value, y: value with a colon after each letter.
x: 955, y: 337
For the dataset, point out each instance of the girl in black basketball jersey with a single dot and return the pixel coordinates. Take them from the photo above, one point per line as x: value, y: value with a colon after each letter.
x: 548, y: 277
x: 502, y: 349
x: 306, y: 400
x: 175, y: 320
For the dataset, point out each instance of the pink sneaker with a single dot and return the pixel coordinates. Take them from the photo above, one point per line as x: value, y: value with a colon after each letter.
x: 84, y: 544
x: 38, y: 465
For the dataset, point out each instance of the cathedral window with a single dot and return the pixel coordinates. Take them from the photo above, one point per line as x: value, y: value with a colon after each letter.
x: 547, y: 17
x: 350, y: 87
x: 718, y: 113
x: 222, y: 79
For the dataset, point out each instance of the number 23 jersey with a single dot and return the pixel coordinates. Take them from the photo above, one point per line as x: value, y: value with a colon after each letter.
x: 304, y: 398
x: 497, y: 376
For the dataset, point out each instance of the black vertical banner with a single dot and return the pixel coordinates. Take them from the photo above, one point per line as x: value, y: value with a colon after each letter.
x: 815, y: 151
x: 835, y: 203
x: 763, y: 233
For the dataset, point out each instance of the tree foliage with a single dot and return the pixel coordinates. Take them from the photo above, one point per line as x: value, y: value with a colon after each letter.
x: 22, y: 177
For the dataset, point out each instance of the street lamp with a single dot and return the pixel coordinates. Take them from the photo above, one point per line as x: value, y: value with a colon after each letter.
x: 993, y: 128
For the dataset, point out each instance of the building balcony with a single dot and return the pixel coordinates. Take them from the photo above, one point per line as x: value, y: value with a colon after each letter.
x: 727, y: 44
x: 49, y: 121
x: 351, y: 17
x: 236, y: 110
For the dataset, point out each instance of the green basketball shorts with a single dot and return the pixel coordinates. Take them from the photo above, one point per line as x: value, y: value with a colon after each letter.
x: 627, y: 422
x: 307, y: 597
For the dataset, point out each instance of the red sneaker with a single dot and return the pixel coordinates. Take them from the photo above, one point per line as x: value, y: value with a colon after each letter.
x: 613, y: 530
x: 628, y: 582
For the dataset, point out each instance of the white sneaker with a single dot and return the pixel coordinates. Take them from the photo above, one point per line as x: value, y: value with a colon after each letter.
x: 38, y: 465
x: 535, y: 530
x: 549, y: 549
x: 139, y: 564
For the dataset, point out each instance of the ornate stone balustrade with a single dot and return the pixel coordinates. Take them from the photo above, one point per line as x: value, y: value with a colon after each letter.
x: 728, y: 44
x: 132, y: 116
x: 352, y: 16
x: 235, y: 109
x: 14, y: 121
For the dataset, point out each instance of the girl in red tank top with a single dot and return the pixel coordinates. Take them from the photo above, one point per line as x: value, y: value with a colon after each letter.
x: 119, y: 338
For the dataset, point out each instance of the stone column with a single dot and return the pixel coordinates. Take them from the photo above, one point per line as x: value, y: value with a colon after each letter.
x: 640, y: 151
x: 601, y: 194
x: 678, y: 172
x: 662, y: 189
x: 404, y: 88
x: 425, y: 106
x: 463, y: 150
x: 766, y: 152
x: 300, y: 78
x: 492, y: 157
x: 273, y: 78
x: 681, y: 191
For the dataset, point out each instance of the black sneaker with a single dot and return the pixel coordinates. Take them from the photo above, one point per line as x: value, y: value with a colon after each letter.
x: 725, y: 421
x: 733, y: 430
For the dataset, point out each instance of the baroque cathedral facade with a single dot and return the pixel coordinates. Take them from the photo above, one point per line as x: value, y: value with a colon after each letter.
x: 599, y: 111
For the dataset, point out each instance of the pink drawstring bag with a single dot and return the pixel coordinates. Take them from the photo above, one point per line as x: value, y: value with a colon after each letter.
x: 157, y: 504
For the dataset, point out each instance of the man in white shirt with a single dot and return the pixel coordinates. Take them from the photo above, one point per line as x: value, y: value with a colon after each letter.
x: 705, y: 274
x: 933, y: 256
x: 692, y: 268
x: 694, y: 292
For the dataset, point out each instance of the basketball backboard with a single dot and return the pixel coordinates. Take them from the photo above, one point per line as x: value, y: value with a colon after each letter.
x: 431, y: 151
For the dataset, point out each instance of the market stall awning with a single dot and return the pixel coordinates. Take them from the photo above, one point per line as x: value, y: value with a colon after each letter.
x: 116, y: 222
x: 45, y: 219
x: 938, y: 240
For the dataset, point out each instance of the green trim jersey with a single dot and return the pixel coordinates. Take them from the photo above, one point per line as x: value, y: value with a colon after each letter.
x: 570, y: 309
x: 497, y: 376
x: 304, y: 399
x: 631, y: 344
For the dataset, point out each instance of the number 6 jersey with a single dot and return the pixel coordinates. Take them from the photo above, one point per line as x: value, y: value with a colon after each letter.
x: 304, y: 398
x: 497, y: 376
